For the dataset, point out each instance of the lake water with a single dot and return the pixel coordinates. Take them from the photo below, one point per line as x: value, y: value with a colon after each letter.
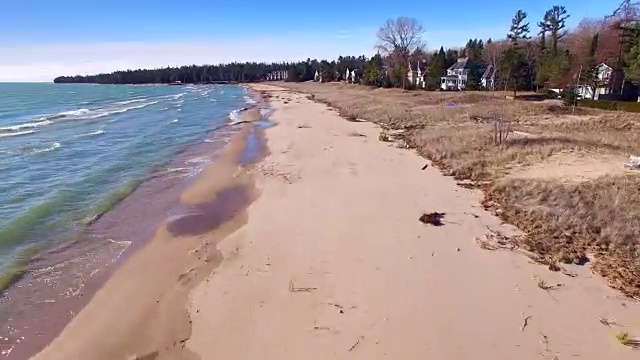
x: 68, y: 153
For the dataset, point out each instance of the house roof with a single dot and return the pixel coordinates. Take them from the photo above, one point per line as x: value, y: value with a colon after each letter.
x: 460, y: 64
x: 605, y: 65
x: 421, y: 64
x: 488, y: 73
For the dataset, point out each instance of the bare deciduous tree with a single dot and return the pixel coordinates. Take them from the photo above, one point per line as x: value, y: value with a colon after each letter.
x: 402, y: 35
x: 397, y: 40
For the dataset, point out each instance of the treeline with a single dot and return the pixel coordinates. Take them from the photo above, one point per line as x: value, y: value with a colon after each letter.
x: 545, y: 54
x: 186, y: 74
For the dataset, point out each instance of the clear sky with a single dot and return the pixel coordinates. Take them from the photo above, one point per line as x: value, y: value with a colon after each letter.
x: 40, y: 39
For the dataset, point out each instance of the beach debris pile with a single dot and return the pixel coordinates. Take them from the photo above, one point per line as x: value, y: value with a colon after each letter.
x: 634, y: 162
x: 433, y: 218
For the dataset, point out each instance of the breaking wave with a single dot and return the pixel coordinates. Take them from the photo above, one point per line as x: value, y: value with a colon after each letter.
x: 19, y: 133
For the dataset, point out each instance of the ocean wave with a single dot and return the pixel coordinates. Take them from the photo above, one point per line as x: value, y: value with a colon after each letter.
x: 235, y: 114
x: 105, y: 112
x: 175, y: 120
x: 28, y: 125
x: 249, y: 100
x: 95, y: 133
x: 19, y: 133
x: 53, y: 146
x: 131, y: 101
x: 77, y: 112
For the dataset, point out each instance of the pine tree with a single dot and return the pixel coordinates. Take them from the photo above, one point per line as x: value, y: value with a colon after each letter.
x: 519, y: 29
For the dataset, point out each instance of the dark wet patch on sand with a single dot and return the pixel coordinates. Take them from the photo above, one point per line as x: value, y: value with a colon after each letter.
x: 202, y: 218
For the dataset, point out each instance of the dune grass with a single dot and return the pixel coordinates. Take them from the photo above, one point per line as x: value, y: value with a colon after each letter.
x: 594, y: 222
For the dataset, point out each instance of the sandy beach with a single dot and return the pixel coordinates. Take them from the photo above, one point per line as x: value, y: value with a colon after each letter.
x: 315, y: 251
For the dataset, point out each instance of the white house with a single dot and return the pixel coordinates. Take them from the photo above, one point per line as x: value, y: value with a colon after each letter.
x: 456, y: 78
x: 317, y: 77
x: 603, y: 75
x: 488, y: 78
x: 417, y: 75
x: 277, y: 75
x: 352, y: 76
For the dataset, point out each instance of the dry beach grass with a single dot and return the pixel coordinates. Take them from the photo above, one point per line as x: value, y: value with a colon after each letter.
x: 568, y: 218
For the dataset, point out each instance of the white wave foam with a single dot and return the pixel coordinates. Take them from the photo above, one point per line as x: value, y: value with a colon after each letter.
x: 26, y: 125
x: 53, y: 146
x: 175, y: 120
x: 131, y: 101
x: 235, y: 115
x: 249, y: 100
x: 73, y: 112
x: 119, y: 111
x: 19, y: 133
x: 176, y: 97
x: 95, y: 133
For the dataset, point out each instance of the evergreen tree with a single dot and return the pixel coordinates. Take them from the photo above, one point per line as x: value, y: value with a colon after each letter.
x: 554, y: 22
x: 513, y: 70
x: 519, y: 28
x: 436, y: 69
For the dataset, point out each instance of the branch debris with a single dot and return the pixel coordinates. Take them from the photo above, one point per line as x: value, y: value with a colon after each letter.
x: 293, y: 288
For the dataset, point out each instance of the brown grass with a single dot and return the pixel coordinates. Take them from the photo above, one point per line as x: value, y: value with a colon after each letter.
x: 596, y: 220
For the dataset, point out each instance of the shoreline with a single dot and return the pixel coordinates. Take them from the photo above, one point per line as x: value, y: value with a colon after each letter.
x: 341, y: 268
x: 181, y: 253
x: 33, y: 309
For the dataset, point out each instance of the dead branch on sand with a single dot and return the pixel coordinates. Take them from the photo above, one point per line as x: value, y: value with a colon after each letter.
x: 293, y: 288
x: 356, y: 343
x: 525, y: 323
x: 497, y: 241
x: 607, y: 322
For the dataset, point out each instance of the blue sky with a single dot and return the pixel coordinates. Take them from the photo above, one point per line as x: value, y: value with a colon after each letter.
x: 40, y: 39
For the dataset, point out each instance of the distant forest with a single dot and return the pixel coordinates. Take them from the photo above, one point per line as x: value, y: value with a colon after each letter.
x: 538, y: 53
x: 234, y: 72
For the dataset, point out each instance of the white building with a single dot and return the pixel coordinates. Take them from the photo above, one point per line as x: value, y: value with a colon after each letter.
x: 352, y: 76
x: 417, y: 75
x: 277, y: 75
x: 456, y: 78
x: 603, y: 75
x: 488, y: 78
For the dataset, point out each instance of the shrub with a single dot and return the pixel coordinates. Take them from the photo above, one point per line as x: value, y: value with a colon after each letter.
x: 599, y: 104
x: 628, y: 106
x: 611, y: 105
x: 569, y: 97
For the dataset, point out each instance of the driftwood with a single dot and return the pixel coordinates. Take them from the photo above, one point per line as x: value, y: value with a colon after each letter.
x: 434, y: 218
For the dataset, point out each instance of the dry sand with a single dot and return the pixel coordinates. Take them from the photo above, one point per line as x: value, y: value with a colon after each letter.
x: 333, y: 263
